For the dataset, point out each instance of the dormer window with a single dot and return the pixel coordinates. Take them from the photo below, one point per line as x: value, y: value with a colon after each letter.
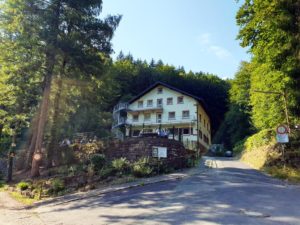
x: 180, y: 100
x: 140, y: 104
x: 159, y: 90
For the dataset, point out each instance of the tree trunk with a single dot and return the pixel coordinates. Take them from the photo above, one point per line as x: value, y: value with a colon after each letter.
x: 31, y: 145
x: 42, y: 119
x: 49, y: 65
x: 52, y: 158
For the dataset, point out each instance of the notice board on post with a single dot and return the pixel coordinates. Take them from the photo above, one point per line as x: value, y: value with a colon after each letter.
x: 159, y: 152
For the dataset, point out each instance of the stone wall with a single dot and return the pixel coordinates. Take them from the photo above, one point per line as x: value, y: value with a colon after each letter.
x: 136, y: 148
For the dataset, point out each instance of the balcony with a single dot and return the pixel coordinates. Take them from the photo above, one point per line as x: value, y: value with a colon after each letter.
x: 121, y: 106
x: 152, y: 108
x: 119, y: 122
x: 163, y: 121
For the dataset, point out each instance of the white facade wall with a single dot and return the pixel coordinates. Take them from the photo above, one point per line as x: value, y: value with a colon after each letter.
x: 189, y: 104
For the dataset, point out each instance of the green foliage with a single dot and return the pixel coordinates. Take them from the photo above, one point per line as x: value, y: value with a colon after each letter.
x: 271, y: 30
x: 239, y: 147
x: 259, y: 139
x: 121, y: 165
x: 237, y: 125
x: 107, y: 172
x: 57, y: 185
x: 98, y: 161
x: 142, y: 168
x: 23, y: 186
x: 76, y: 169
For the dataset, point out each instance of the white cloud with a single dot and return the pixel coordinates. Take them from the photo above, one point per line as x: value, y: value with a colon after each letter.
x: 207, y: 45
x: 220, y: 52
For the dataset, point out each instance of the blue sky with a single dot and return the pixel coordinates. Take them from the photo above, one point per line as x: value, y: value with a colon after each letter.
x: 196, y: 34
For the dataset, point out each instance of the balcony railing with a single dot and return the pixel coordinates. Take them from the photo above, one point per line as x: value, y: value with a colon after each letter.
x: 119, y: 122
x: 153, y: 121
x: 121, y: 106
x: 147, y: 108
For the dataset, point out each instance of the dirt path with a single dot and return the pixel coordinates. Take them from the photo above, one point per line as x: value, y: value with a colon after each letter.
x: 14, y: 213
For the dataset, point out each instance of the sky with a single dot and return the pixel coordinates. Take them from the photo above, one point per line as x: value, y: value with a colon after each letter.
x: 199, y: 35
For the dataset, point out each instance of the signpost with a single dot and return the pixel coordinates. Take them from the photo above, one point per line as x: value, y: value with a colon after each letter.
x: 159, y: 152
x: 282, y: 136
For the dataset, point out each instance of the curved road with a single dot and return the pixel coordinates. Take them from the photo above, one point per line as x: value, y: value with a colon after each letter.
x: 226, y: 192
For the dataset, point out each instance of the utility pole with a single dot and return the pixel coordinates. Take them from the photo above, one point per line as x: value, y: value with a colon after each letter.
x: 284, y: 95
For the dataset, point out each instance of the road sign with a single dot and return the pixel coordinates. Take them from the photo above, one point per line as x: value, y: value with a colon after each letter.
x: 282, y: 138
x: 282, y: 129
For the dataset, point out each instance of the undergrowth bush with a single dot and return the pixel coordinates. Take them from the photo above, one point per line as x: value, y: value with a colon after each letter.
x: 57, y: 185
x: 107, y: 172
x: 259, y: 139
x: 23, y: 186
x: 98, y: 161
x: 141, y: 168
x: 121, y: 165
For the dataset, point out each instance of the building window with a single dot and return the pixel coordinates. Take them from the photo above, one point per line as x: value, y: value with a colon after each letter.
x: 150, y: 103
x: 200, y: 134
x: 171, y: 115
x: 159, y: 90
x: 135, y: 118
x: 140, y: 104
x: 185, y: 114
x: 185, y: 131
x: 159, y: 102
x: 180, y: 100
x: 147, y: 117
x: 200, y: 118
x: 169, y: 101
x: 136, y: 133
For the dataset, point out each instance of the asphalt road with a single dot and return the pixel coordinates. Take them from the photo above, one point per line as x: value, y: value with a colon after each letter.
x: 227, y: 193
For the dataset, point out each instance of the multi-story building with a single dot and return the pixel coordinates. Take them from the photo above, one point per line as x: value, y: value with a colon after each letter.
x: 169, y: 111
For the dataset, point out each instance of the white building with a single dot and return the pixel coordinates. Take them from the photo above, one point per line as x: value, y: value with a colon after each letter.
x: 168, y: 110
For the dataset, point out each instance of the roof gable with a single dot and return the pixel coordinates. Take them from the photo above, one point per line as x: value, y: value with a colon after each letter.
x: 200, y: 100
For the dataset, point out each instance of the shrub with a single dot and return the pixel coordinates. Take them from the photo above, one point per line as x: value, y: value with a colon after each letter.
x: 23, y: 186
x: 121, y: 165
x: 239, y: 146
x: 107, y: 172
x: 259, y: 139
x: 141, y: 168
x: 2, y: 184
x: 98, y: 161
x: 77, y: 169
x: 57, y: 185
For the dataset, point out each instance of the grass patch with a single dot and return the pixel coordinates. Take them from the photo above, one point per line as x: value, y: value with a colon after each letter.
x: 20, y: 198
x: 287, y: 173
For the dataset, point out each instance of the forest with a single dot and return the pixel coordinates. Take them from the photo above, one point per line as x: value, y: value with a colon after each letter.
x: 57, y: 76
x: 58, y: 79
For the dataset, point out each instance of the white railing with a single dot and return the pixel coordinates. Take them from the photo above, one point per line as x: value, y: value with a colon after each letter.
x: 121, y: 106
x: 175, y: 120
x: 153, y: 107
x: 119, y: 121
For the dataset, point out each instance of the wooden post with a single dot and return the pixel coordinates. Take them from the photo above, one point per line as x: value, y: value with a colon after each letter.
x: 284, y: 94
